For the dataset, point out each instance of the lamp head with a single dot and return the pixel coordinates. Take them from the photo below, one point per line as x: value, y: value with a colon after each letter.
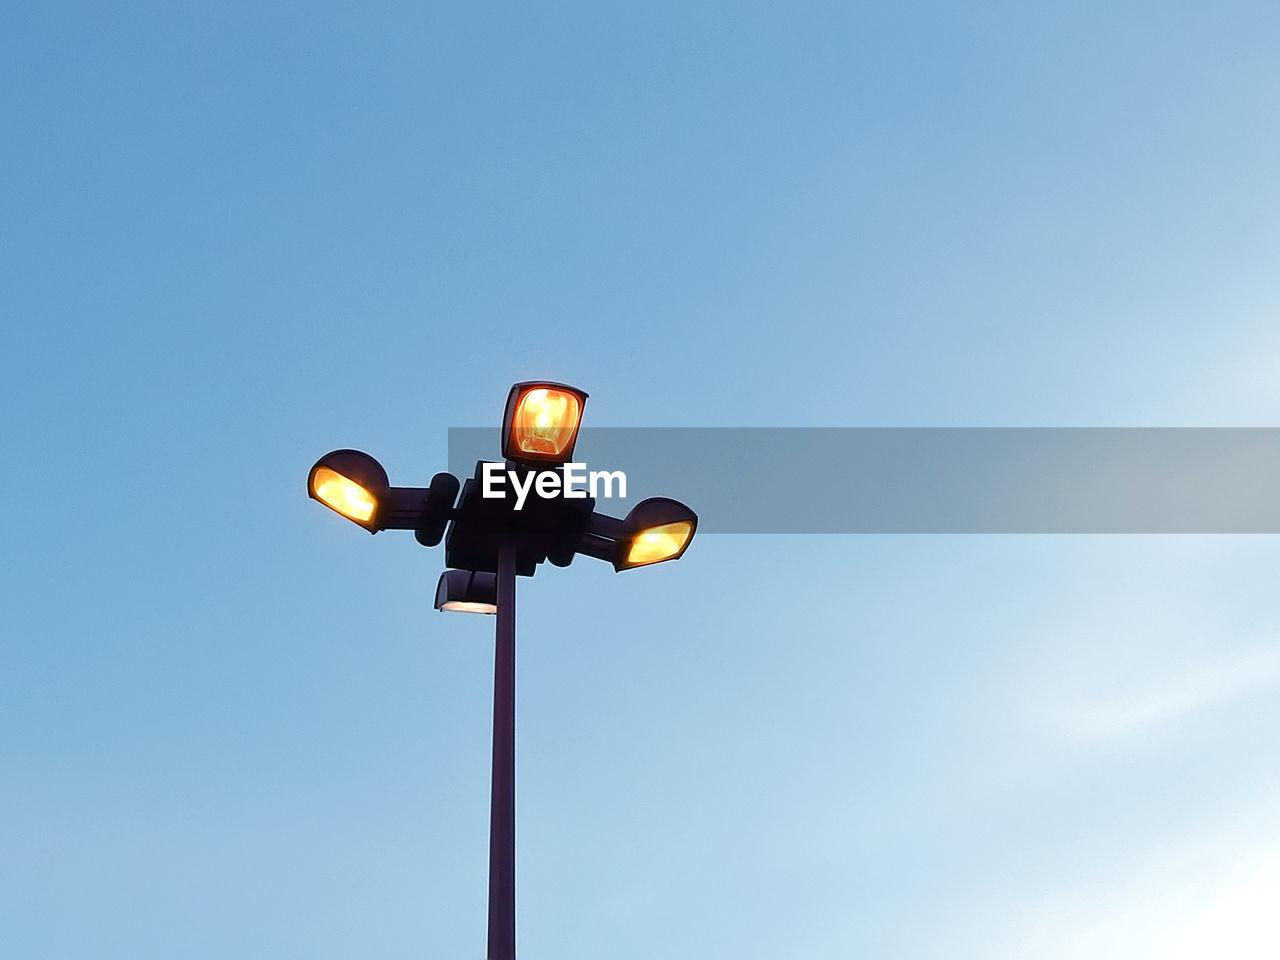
x: 655, y: 530
x: 350, y: 483
x: 467, y: 591
x: 540, y: 425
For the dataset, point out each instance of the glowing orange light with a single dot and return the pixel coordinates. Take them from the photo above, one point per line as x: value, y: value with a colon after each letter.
x: 545, y: 421
x: 344, y: 495
x: 659, y: 543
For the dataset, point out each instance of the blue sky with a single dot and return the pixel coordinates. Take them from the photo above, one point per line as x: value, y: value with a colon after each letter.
x: 235, y: 238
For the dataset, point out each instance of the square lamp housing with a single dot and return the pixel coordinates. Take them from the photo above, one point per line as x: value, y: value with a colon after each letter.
x: 540, y: 425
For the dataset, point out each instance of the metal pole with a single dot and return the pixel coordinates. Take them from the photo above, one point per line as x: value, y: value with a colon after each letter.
x: 502, y: 802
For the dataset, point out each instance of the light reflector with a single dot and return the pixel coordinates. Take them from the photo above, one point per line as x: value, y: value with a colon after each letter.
x: 343, y: 494
x: 659, y: 543
x: 655, y: 530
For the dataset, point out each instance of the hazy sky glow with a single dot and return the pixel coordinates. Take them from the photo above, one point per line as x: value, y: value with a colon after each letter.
x: 235, y: 238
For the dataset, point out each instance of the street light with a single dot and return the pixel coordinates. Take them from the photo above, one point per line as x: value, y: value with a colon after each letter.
x: 355, y: 485
x: 488, y: 542
x: 540, y: 424
x: 655, y: 530
x: 351, y: 483
x: 467, y: 591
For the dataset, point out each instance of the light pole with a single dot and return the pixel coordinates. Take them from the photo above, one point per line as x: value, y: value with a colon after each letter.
x: 502, y: 789
x: 489, y: 540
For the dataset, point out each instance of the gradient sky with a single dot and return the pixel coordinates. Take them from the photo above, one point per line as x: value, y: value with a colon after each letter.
x: 238, y: 236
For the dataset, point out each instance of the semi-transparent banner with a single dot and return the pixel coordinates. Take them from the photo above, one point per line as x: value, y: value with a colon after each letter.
x: 934, y: 480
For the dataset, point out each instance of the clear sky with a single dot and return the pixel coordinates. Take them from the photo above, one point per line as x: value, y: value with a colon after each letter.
x: 236, y: 236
